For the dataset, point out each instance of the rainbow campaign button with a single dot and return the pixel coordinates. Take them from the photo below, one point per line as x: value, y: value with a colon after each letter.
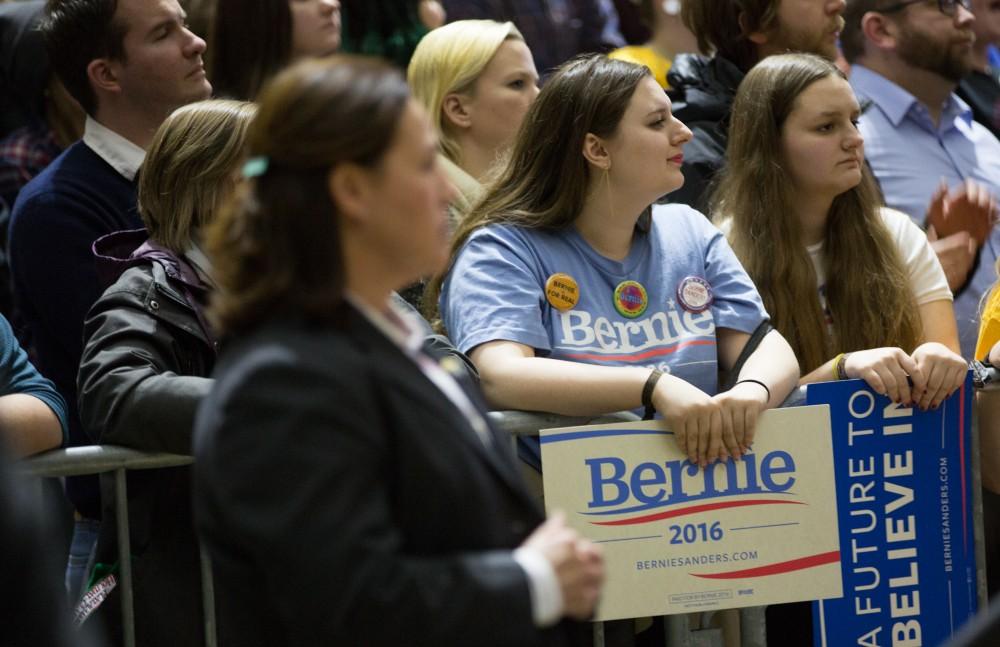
x: 630, y: 299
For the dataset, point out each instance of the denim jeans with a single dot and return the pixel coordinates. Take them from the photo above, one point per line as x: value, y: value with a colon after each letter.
x: 81, y: 553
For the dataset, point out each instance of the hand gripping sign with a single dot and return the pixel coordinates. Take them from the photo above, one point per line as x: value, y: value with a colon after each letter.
x: 677, y: 538
x: 904, y: 496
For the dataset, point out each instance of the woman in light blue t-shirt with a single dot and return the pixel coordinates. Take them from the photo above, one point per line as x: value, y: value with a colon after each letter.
x: 572, y: 294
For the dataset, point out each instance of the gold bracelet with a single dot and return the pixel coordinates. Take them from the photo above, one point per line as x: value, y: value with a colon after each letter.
x: 836, y: 363
x: 842, y: 367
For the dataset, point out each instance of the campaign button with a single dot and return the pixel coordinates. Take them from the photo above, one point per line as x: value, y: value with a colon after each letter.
x: 561, y: 291
x: 695, y: 294
x: 630, y: 299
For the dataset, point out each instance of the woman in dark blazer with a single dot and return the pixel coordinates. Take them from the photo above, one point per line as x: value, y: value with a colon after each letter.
x: 347, y: 484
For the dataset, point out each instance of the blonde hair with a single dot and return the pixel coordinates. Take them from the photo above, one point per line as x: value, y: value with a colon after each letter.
x: 190, y: 168
x: 448, y: 60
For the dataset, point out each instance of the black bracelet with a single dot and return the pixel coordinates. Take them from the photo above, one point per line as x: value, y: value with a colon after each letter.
x: 647, y: 393
x: 752, y: 381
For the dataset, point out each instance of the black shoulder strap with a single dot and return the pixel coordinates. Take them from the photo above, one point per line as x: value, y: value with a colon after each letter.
x: 748, y: 350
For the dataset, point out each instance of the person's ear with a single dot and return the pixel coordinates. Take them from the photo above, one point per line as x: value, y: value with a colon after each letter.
x: 351, y: 191
x: 879, y: 31
x: 758, y: 38
x: 455, y: 110
x: 103, y: 75
x: 596, y: 152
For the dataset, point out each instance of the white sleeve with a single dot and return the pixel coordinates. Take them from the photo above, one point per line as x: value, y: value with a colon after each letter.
x: 921, y: 263
x: 546, y: 596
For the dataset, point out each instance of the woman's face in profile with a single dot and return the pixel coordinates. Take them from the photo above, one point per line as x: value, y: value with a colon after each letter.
x: 409, y: 226
x: 502, y: 95
x: 315, y: 27
x: 822, y: 148
x: 647, y: 149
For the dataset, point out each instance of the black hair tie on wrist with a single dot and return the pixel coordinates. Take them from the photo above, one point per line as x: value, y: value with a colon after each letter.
x: 647, y: 393
x: 752, y: 381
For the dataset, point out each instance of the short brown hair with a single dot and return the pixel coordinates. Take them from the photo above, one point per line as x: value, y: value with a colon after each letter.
x: 852, y: 38
x: 190, y: 168
x: 276, y: 246
x: 717, y: 25
x: 77, y: 32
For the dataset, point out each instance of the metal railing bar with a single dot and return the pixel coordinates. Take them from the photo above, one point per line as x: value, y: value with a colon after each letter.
x: 207, y: 596
x: 124, y: 558
x: 96, y: 459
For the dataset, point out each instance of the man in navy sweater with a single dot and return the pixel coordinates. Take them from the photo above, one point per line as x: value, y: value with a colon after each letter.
x: 129, y: 63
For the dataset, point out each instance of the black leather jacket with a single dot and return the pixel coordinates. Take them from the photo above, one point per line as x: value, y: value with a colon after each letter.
x: 702, y: 90
x: 148, y: 351
x: 145, y: 366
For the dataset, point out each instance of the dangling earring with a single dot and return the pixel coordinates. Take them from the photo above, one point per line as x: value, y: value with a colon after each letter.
x: 607, y: 183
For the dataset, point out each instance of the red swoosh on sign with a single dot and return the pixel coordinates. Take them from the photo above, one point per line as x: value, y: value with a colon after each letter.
x: 692, y: 510
x: 799, y: 564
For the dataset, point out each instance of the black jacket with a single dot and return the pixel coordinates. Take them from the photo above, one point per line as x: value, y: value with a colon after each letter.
x: 702, y: 90
x: 148, y: 350
x: 981, y: 90
x: 346, y: 501
x: 145, y: 368
x: 24, y: 65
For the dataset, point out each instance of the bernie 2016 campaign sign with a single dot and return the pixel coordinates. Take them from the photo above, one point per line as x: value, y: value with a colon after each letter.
x: 904, y: 496
x: 677, y: 538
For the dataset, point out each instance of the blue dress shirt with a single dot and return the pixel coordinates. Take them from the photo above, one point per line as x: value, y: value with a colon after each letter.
x: 910, y: 157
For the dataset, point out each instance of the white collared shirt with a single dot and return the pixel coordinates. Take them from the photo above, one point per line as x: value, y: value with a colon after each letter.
x: 201, y: 264
x: 399, y: 327
x: 123, y: 156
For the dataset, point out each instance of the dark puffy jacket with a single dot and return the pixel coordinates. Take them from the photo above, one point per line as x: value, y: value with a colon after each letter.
x: 702, y: 90
x: 145, y: 368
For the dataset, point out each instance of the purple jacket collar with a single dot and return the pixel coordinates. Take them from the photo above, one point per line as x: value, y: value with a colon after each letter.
x: 118, y: 251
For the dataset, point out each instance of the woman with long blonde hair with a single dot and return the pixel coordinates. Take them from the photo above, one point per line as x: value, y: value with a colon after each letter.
x: 853, y: 286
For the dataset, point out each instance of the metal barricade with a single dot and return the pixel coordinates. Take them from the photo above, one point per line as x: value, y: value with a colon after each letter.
x: 101, y: 459
x: 753, y: 629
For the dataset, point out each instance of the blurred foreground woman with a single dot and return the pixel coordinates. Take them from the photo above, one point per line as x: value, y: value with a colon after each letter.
x: 348, y: 485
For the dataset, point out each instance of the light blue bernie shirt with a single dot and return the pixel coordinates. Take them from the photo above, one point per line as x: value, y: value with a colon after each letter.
x: 497, y: 291
x: 910, y: 157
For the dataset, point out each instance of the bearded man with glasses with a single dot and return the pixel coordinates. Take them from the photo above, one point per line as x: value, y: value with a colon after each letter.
x: 908, y: 59
x: 921, y: 141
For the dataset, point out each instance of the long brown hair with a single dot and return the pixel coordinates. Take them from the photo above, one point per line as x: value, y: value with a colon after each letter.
x: 276, y: 246
x: 251, y: 41
x: 544, y: 182
x: 868, y: 293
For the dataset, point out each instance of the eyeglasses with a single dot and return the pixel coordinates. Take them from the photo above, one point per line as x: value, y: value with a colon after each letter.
x: 947, y: 7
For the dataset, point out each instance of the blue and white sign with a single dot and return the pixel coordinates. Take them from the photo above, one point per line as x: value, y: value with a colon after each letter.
x: 678, y: 538
x: 904, y: 500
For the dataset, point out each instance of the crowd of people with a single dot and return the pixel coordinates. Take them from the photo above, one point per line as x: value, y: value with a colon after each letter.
x: 314, y: 242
